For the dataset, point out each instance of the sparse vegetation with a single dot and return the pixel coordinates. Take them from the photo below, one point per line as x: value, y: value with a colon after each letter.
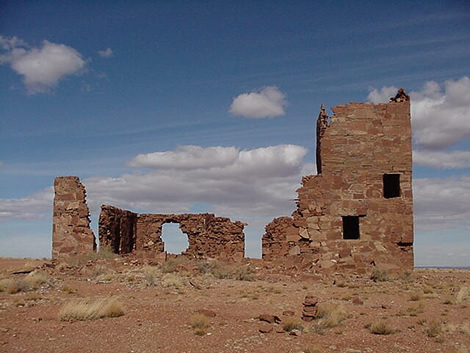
x: 199, y: 323
x: 151, y: 274
x: 29, y: 282
x: 245, y: 273
x: 81, y: 310
x: 434, y: 329
x: 292, y: 324
x: 463, y: 294
x: 330, y: 315
x: 416, y: 296
x: 379, y: 275
x: 380, y: 328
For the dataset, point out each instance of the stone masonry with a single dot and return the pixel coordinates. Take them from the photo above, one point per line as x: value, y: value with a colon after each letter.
x: 71, y: 232
x: 140, y: 234
x: 357, y: 212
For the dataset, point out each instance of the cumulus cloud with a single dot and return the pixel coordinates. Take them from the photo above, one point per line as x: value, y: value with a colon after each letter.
x: 383, y: 95
x: 107, y: 53
x: 441, y: 203
x: 265, y: 103
x: 440, y: 113
x: 260, y: 181
x: 442, y: 160
x: 35, y: 206
x: 42, y: 68
x: 187, y: 157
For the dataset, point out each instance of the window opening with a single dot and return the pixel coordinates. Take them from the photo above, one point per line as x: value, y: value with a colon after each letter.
x: 174, y: 240
x: 351, y: 227
x: 391, y: 185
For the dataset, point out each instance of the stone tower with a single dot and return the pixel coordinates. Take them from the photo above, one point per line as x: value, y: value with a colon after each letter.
x: 357, y: 212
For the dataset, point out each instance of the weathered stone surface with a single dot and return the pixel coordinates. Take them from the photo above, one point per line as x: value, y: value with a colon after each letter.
x: 140, y: 234
x: 271, y: 319
x: 358, y: 211
x: 71, y: 232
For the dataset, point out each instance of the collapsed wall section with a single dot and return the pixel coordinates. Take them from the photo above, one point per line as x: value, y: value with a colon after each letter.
x: 71, y: 232
x: 358, y: 210
x: 208, y: 235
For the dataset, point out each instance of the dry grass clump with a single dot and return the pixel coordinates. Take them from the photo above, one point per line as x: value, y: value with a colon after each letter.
x: 172, y: 280
x: 104, y: 253
x: 463, y: 294
x: 415, y: 310
x: 245, y: 273
x: 200, y: 323
x: 380, y: 328
x: 151, y: 275
x: 29, y: 282
x: 219, y: 269
x: 379, y: 275
x: 292, y: 324
x: 81, y: 310
x: 434, y: 329
x: 330, y: 315
x: 416, y: 296
x: 173, y: 264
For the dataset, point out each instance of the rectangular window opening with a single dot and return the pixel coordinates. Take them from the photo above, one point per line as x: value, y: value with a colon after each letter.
x: 351, y: 227
x: 391, y: 185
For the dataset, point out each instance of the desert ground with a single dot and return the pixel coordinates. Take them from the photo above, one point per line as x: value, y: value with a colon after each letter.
x: 116, y: 304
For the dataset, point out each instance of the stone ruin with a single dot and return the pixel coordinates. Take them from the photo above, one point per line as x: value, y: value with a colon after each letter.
x: 140, y: 234
x: 356, y: 213
x: 71, y: 232
x: 126, y: 232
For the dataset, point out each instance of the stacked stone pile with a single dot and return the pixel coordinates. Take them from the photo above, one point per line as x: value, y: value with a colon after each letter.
x: 309, y: 311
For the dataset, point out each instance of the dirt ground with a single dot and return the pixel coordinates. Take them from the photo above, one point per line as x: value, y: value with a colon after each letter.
x: 188, y: 306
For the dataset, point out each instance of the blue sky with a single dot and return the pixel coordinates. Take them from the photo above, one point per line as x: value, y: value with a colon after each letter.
x: 210, y: 106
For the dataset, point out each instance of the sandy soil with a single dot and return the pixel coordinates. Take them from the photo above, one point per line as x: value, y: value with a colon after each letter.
x: 428, y: 311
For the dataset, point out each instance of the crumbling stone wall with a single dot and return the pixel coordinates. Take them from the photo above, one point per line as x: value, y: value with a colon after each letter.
x: 358, y: 210
x: 71, y: 232
x: 140, y: 234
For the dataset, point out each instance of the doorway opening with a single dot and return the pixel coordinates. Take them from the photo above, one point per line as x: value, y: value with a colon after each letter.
x: 174, y: 240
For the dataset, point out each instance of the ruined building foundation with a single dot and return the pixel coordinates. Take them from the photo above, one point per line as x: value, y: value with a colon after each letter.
x: 71, y: 232
x: 355, y: 214
x: 358, y: 211
x: 140, y: 234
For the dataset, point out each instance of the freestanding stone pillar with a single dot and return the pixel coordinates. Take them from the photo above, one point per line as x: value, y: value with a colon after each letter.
x: 71, y: 232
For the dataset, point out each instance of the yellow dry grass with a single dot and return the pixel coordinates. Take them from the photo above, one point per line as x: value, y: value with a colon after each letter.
x: 81, y: 310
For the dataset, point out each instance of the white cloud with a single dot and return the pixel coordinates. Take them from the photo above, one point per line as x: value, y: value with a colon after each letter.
x: 258, y: 182
x: 42, y: 68
x: 442, y: 160
x: 264, y: 103
x: 440, y: 114
x: 442, y: 203
x: 383, y: 95
x: 107, y: 53
x: 441, y: 118
x: 187, y: 157
x: 35, y: 206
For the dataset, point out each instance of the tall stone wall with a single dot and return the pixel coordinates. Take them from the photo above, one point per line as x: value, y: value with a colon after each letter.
x: 140, y: 234
x: 71, y: 232
x: 358, y: 211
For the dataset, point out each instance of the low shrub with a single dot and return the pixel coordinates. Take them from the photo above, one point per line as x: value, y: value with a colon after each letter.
x: 292, y: 324
x: 380, y: 328
x: 434, y: 329
x: 81, y: 310
x: 200, y: 323
x: 330, y: 315
x: 379, y: 275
